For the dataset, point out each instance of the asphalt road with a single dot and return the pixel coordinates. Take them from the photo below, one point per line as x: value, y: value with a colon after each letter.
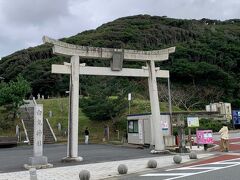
x: 230, y: 173
x: 13, y: 159
x: 219, y: 170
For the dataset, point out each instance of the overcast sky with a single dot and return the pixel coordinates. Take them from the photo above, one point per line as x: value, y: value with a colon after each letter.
x: 24, y: 22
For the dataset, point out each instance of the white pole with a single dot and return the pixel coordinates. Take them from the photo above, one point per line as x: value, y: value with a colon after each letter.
x: 129, y: 105
x: 151, y: 119
x: 129, y: 102
x: 155, y: 108
x: 72, y: 151
x: 170, y: 106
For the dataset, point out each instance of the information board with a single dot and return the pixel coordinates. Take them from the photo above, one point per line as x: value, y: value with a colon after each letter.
x: 193, y: 121
x: 204, y: 137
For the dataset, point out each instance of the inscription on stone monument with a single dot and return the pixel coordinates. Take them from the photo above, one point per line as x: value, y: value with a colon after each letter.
x: 38, y: 130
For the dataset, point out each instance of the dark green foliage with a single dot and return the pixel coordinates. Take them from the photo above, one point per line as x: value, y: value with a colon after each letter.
x: 11, y: 97
x: 106, y: 100
x: 14, y: 92
x: 43, y: 81
x: 204, y: 74
x: 206, y: 124
x: 4, y: 123
x: 207, y: 55
x: 102, y: 108
x: 121, y: 124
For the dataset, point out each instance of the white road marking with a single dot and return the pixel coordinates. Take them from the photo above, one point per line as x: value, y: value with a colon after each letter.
x: 192, y: 168
x: 224, y: 163
x: 168, y: 174
x: 210, y: 170
x: 228, y: 163
x: 237, y: 159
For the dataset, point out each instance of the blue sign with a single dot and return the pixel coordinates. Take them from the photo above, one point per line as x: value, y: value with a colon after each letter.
x: 236, y: 117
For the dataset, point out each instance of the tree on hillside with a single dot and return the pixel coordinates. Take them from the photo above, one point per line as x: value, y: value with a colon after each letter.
x: 13, y: 93
x: 103, y: 108
x: 190, y: 97
x: 106, y: 100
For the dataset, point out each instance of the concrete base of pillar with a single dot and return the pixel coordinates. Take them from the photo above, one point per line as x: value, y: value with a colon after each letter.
x: 72, y: 159
x: 39, y: 162
x: 45, y: 166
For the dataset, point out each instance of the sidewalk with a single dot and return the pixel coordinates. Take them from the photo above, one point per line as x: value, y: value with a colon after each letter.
x: 97, y: 170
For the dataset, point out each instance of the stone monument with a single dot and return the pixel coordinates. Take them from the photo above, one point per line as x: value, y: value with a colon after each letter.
x: 59, y: 127
x: 38, y: 160
x: 38, y: 96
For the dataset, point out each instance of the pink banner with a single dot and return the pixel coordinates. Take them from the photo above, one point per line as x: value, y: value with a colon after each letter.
x: 204, y: 137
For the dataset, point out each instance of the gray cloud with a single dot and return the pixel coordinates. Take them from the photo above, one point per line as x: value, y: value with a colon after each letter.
x: 33, y: 11
x: 24, y: 22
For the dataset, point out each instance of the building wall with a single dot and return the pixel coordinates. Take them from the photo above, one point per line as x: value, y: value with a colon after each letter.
x: 221, y: 107
x: 144, y: 135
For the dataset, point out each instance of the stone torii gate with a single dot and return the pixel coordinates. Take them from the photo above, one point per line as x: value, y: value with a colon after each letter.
x: 117, y: 56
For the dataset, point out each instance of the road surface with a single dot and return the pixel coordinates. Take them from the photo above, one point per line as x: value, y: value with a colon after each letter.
x: 223, y: 167
x: 13, y: 159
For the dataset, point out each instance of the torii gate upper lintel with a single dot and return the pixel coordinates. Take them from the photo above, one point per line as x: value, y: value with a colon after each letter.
x: 63, y: 48
x: 117, y: 56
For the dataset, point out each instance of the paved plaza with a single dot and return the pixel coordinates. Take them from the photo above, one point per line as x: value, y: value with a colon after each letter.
x: 97, y: 170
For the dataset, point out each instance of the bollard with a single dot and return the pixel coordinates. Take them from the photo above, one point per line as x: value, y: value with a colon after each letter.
x: 152, y: 163
x: 84, y: 175
x: 193, y: 155
x: 177, y: 159
x: 122, y: 169
x: 33, y: 174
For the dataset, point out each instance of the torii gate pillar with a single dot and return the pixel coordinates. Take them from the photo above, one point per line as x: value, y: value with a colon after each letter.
x: 72, y: 146
x: 156, y: 129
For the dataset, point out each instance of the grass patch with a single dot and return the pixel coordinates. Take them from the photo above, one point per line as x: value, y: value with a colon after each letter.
x: 59, y: 108
x: 139, y: 106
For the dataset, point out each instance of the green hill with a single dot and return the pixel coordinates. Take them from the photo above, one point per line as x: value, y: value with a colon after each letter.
x: 59, y: 108
x: 206, y: 60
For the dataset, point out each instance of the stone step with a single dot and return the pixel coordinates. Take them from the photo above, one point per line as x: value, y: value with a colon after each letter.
x: 27, y: 116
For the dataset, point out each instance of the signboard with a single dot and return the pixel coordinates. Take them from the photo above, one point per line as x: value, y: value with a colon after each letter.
x: 164, y: 125
x: 129, y: 96
x: 236, y: 117
x: 204, y: 137
x: 193, y: 121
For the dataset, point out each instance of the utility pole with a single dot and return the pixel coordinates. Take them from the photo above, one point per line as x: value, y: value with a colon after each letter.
x: 170, y: 105
x: 129, y: 102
